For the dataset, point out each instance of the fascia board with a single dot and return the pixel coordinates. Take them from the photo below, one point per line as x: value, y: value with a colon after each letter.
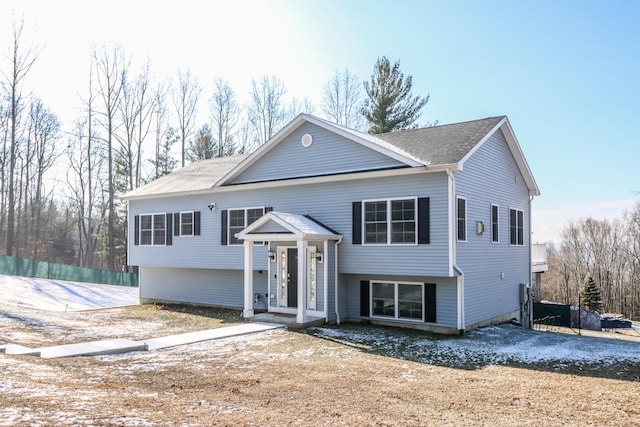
x: 373, y: 143
x: 300, y: 181
x: 516, y: 152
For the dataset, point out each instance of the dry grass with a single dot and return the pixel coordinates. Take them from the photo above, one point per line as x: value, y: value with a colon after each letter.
x: 318, y: 377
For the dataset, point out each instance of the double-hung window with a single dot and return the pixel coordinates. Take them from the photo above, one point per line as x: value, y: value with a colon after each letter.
x: 461, y: 213
x: 516, y: 227
x: 495, y: 231
x: 186, y: 223
x: 153, y: 229
x: 390, y: 221
x: 239, y: 219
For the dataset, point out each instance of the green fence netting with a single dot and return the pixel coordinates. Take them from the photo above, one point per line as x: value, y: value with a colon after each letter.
x: 15, y: 266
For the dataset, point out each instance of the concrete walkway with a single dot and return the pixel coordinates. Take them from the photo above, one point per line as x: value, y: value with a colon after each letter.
x: 118, y: 345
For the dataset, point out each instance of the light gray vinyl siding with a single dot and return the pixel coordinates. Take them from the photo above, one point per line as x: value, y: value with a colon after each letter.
x: 330, y: 203
x: 328, y: 154
x: 492, y: 271
x: 446, y: 296
x: 201, y: 286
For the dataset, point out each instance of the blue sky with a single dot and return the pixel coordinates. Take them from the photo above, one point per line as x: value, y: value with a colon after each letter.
x: 565, y: 72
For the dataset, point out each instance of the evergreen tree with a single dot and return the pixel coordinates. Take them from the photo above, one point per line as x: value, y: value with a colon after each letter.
x: 390, y: 106
x: 165, y: 162
x: 590, y: 295
x: 202, y: 147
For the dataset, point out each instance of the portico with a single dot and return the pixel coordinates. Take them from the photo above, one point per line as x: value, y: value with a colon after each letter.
x: 302, y: 264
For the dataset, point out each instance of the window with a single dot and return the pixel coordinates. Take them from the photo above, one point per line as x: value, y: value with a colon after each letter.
x: 495, y: 234
x: 462, y: 219
x: 516, y: 227
x: 153, y: 229
x: 186, y: 223
x: 239, y: 219
x: 397, y: 300
x: 390, y: 221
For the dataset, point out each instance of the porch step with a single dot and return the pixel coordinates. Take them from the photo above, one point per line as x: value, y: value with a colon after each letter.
x: 288, y: 320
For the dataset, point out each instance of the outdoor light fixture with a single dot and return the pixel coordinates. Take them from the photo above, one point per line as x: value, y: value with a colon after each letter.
x: 272, y: 255
x: 479, y: 227
x: 212, y: 206
x: 319, y: 257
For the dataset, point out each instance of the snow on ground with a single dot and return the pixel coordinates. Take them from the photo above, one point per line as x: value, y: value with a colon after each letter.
x: 489, y: 345
x: 59, y: 295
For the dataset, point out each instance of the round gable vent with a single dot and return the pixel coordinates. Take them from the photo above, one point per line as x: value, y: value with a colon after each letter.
x: 307, y: 140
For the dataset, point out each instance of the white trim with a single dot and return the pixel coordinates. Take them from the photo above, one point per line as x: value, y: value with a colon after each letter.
x: 521, y: 225
x: 311, y: 262
x: 389, y: 221
x: 366, y: 140
x: 164, y: 214
x: 248, y: 280
x: 193, y: 224
x: 516, y: 152
x: 497, y: 222
x: 228, y: 212
x: 395, y: 298
x: 301, y: 316
x: 283, y: 183
x: 466, y: 209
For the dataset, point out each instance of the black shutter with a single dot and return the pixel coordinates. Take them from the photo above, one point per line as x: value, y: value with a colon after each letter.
x: 424, y: 234
x: 176, y: 224
x: 223, y: 222
x: 196, y: 223
x: 364, y: 299
x: 357, y: 223
x: 168, y: 231
x: 430, y: 302
x: 136, y: 230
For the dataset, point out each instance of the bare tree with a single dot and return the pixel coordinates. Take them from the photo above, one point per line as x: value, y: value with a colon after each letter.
x: 267, y: 111
x: 245, y: 137
x: 44, y: 128
x: 605, y: 250
x: 342, y: 100
x: 85, y: 170
x: 185, y: 101
x: 224, y: 117
x: 297, y: 106
x: 110, y: 65
x: 21, y: 62
x: 160, y: 123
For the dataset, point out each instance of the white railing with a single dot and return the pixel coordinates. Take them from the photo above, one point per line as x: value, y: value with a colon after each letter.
x: 538, y: 253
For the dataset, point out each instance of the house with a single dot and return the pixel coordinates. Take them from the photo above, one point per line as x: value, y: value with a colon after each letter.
x: 426, y: 228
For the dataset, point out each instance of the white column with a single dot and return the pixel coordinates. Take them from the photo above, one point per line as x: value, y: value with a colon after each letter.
x: 248, y: 279
x: 302, y: 281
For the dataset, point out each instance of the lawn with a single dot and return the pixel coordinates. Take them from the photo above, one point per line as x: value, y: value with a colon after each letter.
x: 355, y: 375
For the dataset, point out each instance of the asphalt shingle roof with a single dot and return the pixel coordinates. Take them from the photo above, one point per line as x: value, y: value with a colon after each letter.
x: 436, y: 145
x: 442, y: 145
x: 196, y: 176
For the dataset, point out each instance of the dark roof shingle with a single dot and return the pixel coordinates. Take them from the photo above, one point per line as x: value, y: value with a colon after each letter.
x: 441, y: 145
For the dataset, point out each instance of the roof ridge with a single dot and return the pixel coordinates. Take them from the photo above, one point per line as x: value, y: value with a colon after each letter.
x: 444, y: 125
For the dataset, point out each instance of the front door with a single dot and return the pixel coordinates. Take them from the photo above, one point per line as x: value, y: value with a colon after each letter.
x: 292, y: 277
x: 288, y: 277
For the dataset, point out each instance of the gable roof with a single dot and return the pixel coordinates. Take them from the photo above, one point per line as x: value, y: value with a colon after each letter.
x: 442, y: 145
x: 433, y: 148
x: 369, y: 141
x: 289, y: 226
